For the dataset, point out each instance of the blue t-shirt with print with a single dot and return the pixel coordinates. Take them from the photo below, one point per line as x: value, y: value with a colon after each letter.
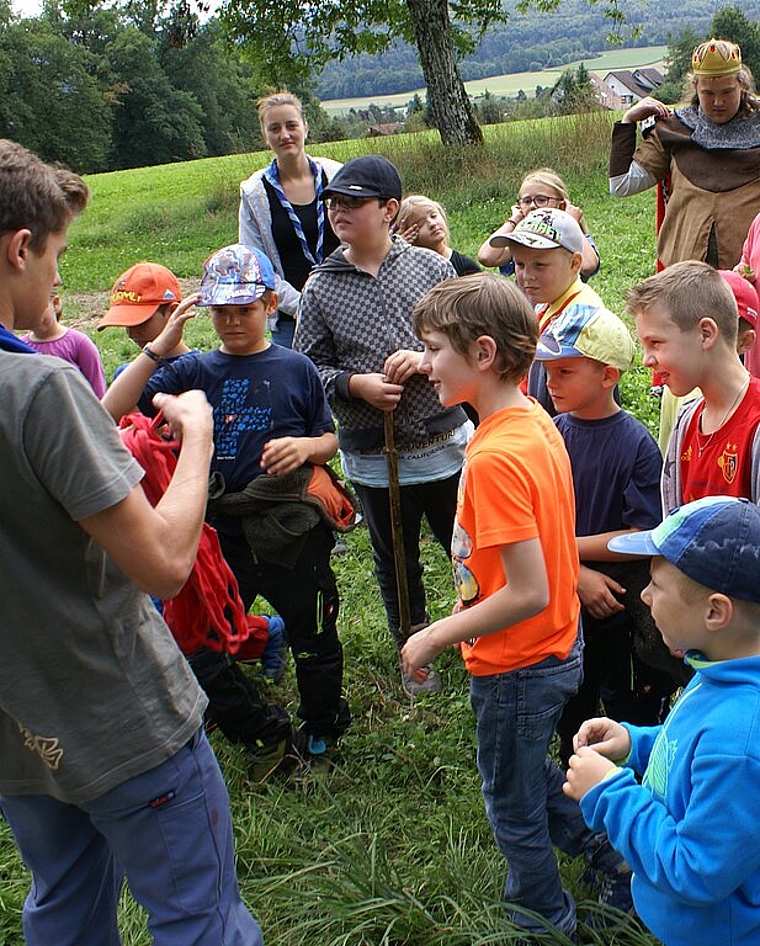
x: 255, y: 398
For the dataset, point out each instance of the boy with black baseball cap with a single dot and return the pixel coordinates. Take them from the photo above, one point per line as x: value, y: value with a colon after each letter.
x: 355, y: 324
x: 687, y: 829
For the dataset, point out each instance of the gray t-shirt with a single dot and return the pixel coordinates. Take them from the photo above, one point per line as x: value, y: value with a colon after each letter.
x: 93, y: 689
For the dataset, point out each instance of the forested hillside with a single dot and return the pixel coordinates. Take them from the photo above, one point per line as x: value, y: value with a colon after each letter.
x: 529, y: 41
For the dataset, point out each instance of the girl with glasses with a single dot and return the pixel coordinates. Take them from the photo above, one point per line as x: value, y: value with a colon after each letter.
x: 540, y: 188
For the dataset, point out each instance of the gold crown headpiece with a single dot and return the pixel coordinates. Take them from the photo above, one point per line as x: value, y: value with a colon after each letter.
x: 716, y: 57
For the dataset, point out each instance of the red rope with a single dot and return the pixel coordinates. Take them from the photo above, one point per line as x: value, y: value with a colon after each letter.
x: 208, y: 611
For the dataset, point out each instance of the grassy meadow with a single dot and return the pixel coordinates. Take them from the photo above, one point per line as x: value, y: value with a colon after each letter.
x: 395, y: 850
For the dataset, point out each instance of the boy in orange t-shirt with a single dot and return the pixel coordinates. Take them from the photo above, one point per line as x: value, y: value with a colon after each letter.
x: 516, y: 569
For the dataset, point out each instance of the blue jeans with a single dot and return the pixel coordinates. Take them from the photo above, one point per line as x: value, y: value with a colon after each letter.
x: 168, y: 830
x: 516, y: 714
x: 283, y: 334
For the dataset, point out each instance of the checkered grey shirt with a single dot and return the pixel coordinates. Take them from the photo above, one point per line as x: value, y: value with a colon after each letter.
x: 349, y: 322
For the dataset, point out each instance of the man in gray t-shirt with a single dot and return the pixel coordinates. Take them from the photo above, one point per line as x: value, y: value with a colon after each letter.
x: 106, y: 769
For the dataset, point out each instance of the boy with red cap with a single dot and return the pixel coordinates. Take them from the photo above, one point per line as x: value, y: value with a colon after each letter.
x: 142, y: 299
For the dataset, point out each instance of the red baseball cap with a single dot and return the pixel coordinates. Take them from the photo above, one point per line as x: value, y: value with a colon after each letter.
x: 137, y: 294
x: 747, y: 300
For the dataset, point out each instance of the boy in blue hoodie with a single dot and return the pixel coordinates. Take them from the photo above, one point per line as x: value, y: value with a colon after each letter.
x: 687, y: 830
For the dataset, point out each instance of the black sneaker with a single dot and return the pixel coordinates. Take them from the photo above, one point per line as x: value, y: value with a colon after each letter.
x: 614, y: 902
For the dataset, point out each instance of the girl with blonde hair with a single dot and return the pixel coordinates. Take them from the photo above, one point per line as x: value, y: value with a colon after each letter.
x: 541, y: 187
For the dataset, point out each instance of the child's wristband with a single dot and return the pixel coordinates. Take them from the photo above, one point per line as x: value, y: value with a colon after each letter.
x: 157, y: 359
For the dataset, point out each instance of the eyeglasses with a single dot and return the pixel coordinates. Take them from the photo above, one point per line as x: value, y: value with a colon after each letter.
x: 540, y: 200
x: 346, y: 202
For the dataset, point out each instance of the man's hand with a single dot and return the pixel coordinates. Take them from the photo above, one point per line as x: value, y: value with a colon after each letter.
x: 187, y: 414
x: 645, y: 108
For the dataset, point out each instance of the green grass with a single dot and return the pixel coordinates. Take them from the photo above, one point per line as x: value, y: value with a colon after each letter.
x: 397, y: 849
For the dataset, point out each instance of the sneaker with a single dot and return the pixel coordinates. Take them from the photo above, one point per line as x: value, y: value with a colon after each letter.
x: 278, y: 758
x: 318, y: 758
x: 317, y: 762
x: 274, y: 660
x: 615, y: 893
x: 426, y: 680
x: 340, y: 548
x: 615, y: 903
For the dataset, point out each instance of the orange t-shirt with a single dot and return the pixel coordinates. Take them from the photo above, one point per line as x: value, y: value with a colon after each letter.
x: 517, y: 485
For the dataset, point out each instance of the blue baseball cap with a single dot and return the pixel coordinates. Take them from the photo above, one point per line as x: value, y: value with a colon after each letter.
x: 588, y: 331
x: 236, y: 275
x: 715, y: 541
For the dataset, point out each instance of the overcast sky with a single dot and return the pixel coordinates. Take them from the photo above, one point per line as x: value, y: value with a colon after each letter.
x: 27, y: 7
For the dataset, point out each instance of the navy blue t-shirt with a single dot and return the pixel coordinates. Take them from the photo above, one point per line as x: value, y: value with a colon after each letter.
x: 616, y: 468
x: 255, y: 398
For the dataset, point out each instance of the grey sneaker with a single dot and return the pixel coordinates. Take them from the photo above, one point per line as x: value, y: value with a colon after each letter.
x: 429, y: 682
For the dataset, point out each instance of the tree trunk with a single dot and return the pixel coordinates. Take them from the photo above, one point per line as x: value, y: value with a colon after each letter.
x: 451, y: 109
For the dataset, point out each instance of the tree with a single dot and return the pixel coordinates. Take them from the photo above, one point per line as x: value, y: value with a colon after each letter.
x: 732, y: 23
x: 292, y: 38
x: 154, y: 123
x: 679, y: 64
x: 49, y: 99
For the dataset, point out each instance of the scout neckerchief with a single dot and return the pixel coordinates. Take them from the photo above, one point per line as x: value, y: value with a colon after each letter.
x: 272, y: 174
x: 11, y: 342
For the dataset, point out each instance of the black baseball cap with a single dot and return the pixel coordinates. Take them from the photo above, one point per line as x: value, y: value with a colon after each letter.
x: 372, y: 175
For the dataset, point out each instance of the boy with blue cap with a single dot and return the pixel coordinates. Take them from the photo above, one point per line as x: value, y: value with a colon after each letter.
x: 272, y: 426
x: 688, y: 829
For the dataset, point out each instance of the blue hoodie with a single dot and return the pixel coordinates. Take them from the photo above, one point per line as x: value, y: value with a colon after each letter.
x: 690, y: 830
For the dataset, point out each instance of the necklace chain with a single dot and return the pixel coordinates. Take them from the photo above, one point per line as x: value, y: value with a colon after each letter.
x: 702, y: 447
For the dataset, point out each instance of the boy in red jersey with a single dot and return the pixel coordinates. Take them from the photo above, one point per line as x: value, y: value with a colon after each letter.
x: 687, y: 320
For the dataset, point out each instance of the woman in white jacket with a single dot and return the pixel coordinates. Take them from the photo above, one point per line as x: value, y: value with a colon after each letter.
x: 281, y: 210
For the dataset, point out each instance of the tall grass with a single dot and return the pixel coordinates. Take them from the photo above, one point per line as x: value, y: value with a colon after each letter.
x: 396, y: 849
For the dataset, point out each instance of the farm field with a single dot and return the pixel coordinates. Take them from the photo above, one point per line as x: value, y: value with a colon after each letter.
x: 510, y: 84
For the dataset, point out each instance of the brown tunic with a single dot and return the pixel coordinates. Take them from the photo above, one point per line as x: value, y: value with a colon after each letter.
x: 710, y: 188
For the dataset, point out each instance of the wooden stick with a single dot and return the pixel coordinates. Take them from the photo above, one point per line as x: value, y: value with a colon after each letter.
x: 397, y: 527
